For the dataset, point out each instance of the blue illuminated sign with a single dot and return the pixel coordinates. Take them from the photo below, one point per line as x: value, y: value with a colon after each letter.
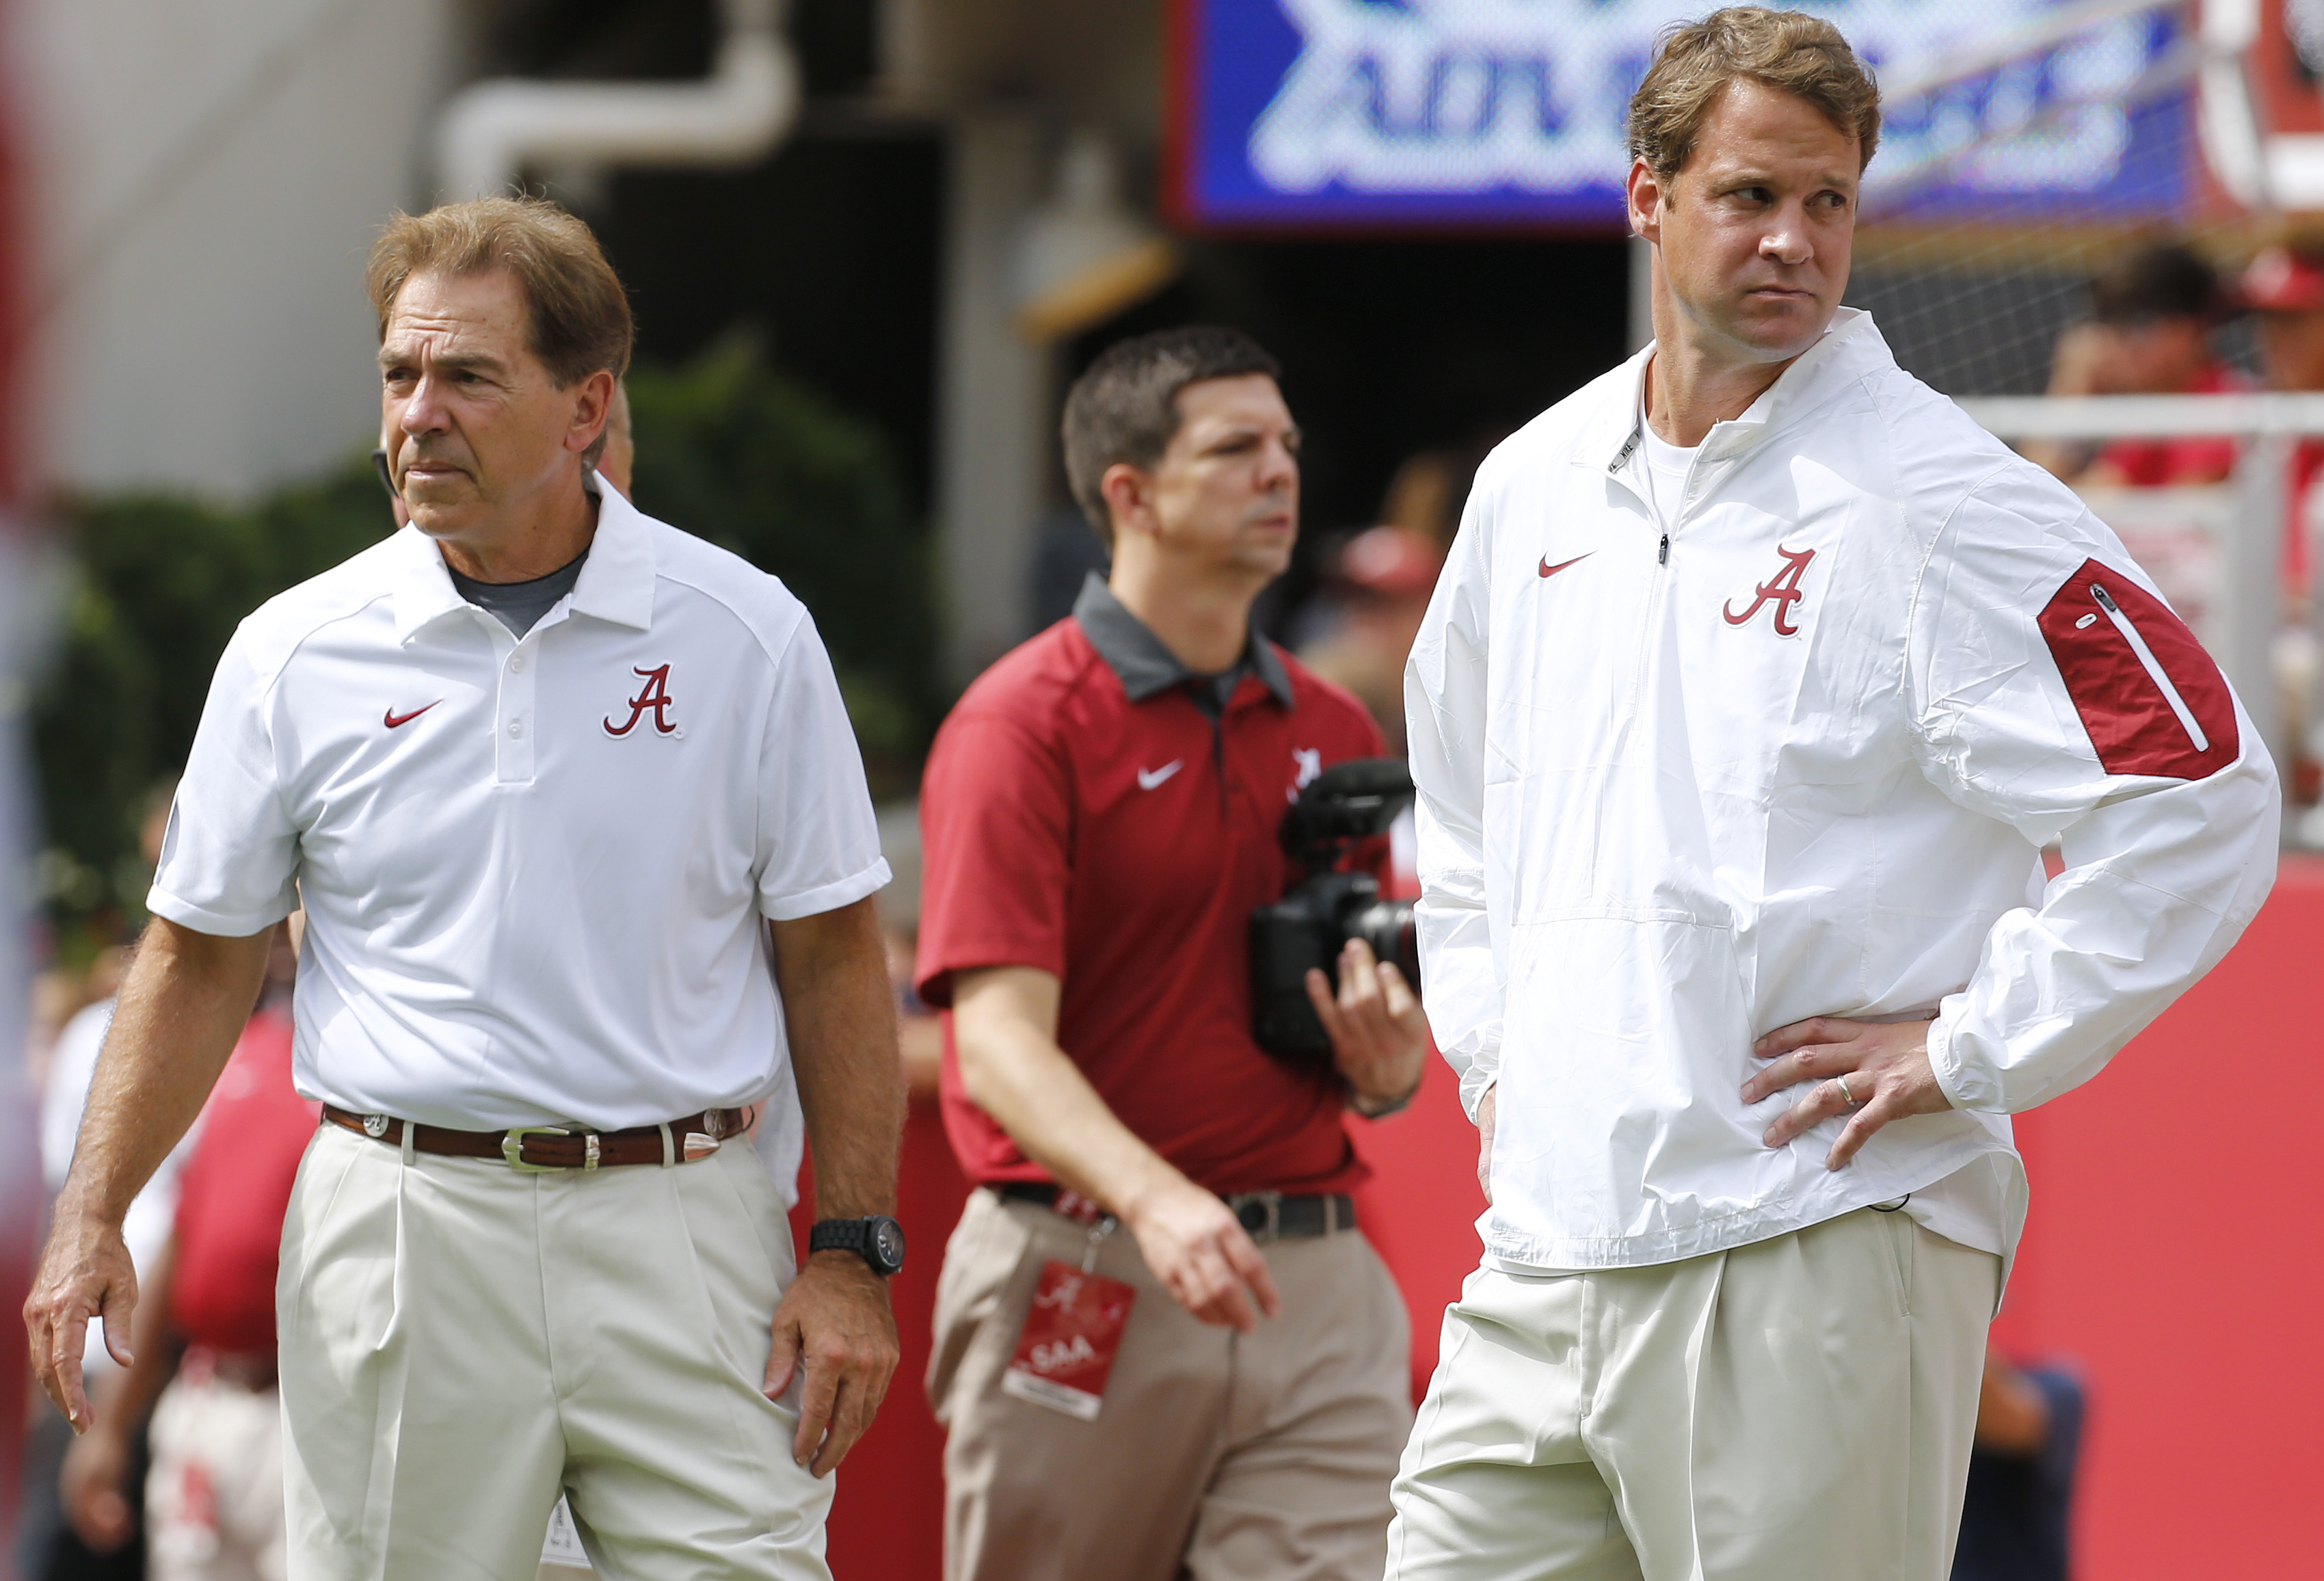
x: 1482, y: 113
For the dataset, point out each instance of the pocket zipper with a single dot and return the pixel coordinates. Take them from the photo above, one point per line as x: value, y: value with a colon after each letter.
x: 2153, y: 667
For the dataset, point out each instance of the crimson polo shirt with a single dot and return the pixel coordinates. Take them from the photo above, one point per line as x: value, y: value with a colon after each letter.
x: 1085, y: 814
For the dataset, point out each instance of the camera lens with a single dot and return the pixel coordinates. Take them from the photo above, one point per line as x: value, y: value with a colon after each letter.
x: 1386, y: 927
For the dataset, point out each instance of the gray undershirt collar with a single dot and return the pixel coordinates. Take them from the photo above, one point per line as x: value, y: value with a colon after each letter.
x: 519, y: 605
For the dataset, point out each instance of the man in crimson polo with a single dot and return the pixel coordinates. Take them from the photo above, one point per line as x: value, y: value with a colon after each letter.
x: 1222, y: 1390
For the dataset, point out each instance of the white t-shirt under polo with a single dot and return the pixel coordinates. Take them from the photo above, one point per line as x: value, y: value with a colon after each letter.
x: 536, y: 873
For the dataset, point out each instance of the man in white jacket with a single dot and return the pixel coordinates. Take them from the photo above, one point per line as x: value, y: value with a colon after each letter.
x: 1757, y: 679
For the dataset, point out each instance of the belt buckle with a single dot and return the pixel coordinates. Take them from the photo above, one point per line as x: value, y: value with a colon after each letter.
x: 1271, y: 1227
x: 512, y: 1147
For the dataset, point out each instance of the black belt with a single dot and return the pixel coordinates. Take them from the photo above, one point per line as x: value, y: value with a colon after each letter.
x: 1267, y: 1215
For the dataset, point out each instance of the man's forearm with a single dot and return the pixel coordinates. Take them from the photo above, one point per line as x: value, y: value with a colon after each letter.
x: 1049, y: 1109
x: 841, y: 1014
x: 183, y: 1005
x: 1015, y: 1072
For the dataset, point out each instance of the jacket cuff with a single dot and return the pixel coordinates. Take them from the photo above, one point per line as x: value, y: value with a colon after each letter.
x: 1966, y: 1085
x: 1478, y: 1080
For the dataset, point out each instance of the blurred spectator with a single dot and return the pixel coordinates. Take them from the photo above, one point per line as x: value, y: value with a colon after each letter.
x: 2149, y: 334
x: 59, y: 997
x: 214, y: 1491
x: 52, y: 1547
x: 2284, y: 288
x: 621, y: 455
x: 2020, y: 1476
x: 919, y: 1034
x: 1385, y: 575
x: 1427, y: 491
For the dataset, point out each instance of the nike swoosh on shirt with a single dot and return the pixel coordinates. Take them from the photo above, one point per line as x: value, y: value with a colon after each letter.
x: 394, y: 719
x: 1149, y: 778
x: 1550, y: 570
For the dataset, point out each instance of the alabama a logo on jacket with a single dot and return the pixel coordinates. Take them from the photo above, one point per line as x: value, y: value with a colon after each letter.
x: 1782, y: 590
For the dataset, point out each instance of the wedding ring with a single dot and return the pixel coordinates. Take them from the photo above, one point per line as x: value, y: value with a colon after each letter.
x: 1850, y: 1098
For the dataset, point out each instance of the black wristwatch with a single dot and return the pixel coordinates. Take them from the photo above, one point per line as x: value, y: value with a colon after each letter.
x: 879, y: 1240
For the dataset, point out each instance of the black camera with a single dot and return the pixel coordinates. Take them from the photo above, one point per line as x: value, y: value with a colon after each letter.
x: 1346, y: 804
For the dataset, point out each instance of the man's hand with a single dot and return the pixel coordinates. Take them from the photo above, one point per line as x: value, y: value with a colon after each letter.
x: 1380, y: 1035
x: 1197, y: 1248
x: 836, y: 1323
x: 1005, y: 1025
x: 91, y: 1483
x: 1488, y: 1112
x: 1883, y: 1064
x: 85, y: 1274
x: 181, y: 1007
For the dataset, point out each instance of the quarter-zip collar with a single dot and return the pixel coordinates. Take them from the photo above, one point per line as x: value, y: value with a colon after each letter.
x: 1849, y: 349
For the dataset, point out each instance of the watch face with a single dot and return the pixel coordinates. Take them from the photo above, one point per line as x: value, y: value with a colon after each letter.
x: 888, y: 1243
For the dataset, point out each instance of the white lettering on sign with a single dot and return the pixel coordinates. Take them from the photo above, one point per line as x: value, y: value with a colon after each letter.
x: 1467, y: 95
x: 1051, y: 1355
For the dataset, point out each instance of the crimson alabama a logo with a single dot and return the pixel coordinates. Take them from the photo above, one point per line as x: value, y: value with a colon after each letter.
x: 653, y: 697
x: 1782, y: 590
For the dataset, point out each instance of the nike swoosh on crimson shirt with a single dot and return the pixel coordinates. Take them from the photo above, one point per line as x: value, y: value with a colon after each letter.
x: 1149, y: 778
x: 394, y: 719
x: 1550, y: 570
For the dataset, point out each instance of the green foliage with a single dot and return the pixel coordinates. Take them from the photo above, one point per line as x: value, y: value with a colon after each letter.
x: 158, y: 586
x: 726, y: 448
x: 757, y: 464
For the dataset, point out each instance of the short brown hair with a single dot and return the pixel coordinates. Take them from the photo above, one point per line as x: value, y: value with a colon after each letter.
x: 580, y: 316
x: 1125, y: 406
x: 1789, y: 51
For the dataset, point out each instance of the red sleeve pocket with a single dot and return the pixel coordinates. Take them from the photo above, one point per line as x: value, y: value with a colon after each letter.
x: 2147, y: 692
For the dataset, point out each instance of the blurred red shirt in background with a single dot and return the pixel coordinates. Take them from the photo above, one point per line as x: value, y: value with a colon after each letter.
x: 233, y: 1193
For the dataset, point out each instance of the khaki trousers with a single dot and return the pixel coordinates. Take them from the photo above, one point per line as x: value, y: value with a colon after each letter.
x: 461, y: 1341
x: 1264, y: 1457
x: 1796, y: 1409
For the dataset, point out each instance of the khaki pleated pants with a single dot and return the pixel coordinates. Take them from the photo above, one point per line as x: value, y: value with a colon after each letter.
x: 1216, y: 1455
x: 460, y: 1342
x: 1796, y: 1409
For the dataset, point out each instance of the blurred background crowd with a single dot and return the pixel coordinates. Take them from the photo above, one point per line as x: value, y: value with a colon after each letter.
x: 869, y: 243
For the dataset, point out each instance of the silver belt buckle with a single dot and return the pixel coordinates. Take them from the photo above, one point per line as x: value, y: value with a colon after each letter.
x: 512, y: 1147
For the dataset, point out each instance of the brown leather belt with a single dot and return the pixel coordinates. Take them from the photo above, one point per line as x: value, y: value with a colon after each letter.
x: 559, y: 1147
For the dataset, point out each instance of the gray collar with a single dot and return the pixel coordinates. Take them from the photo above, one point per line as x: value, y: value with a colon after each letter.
x: 1146, y: 668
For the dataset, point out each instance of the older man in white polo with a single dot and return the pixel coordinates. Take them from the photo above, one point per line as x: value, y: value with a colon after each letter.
x: 586, y: 858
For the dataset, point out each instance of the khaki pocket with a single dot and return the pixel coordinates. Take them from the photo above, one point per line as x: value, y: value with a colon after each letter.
x: 1898, y: 1230
x: 979, y: 1259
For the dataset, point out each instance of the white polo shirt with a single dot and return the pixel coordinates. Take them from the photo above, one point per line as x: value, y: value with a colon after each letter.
x: 536, y: 873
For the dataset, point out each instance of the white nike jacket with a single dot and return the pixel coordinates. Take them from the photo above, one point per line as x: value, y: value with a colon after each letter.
x: 1797, y: 758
